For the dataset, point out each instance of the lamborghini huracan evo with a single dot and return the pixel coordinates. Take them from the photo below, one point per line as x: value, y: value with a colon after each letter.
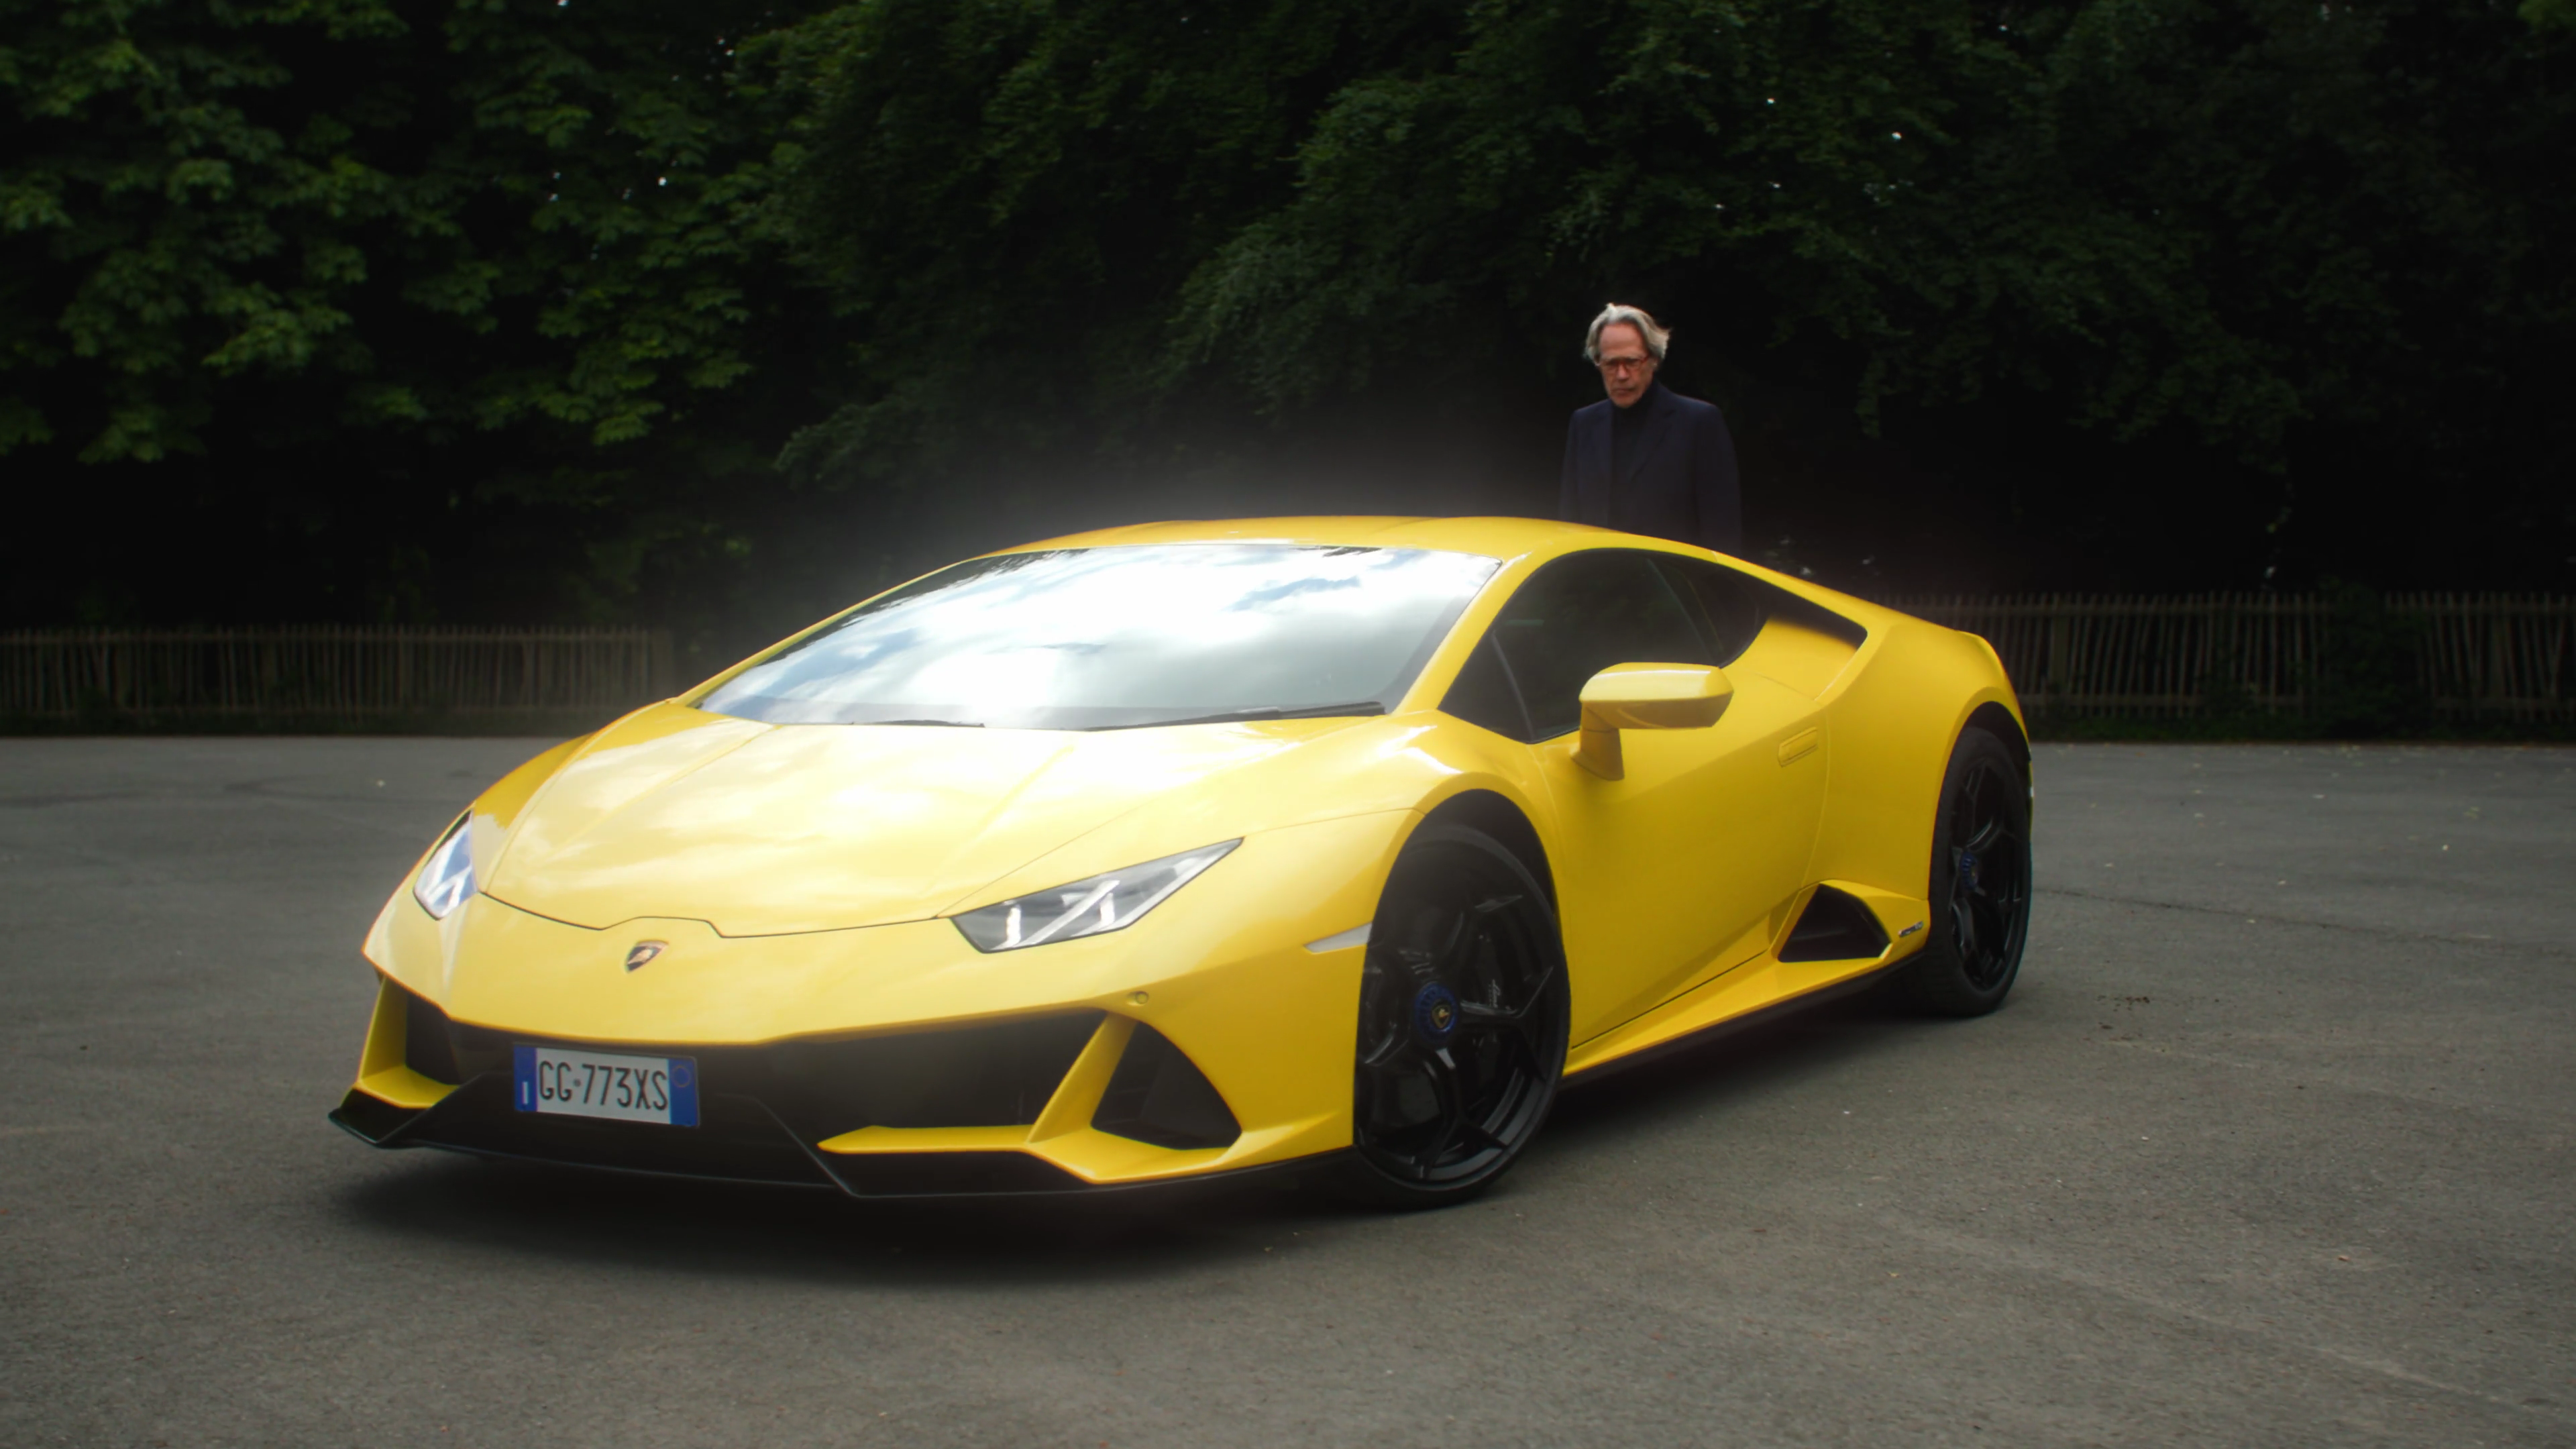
x: 1188, y: 849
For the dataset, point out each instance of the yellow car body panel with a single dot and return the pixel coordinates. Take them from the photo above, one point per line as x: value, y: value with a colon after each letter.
x: 800, y: 878
x: 763, y: 831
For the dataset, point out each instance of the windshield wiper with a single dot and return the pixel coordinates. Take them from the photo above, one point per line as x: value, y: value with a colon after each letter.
x: 1267, y: 711
x: 962, y: 724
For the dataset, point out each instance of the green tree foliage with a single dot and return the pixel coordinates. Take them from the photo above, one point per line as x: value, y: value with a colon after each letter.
x: 2271, y: 237
x: 362, y: 242
x: 514, y: 299
x: 1005, y: 198
x: 2231, y: 215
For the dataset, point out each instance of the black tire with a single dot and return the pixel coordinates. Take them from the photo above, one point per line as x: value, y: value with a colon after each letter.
x: 1463, y: 1011
x: 1980, y: 891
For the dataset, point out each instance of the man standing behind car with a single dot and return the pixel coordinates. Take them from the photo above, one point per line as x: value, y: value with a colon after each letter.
x: 1648, y: 460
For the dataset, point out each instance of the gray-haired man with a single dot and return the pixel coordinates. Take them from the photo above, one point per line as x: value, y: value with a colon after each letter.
x: 1648, y: 460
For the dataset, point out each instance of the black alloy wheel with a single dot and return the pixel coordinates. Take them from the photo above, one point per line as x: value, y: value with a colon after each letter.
x: 1980, y: 881
x: 1462, y: 1022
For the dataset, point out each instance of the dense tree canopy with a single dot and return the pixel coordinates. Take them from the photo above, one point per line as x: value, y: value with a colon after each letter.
x: 621, y: 308
x: 340, y: 283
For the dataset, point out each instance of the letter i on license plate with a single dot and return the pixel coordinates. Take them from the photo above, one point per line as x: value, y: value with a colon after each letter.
x: 598, y: 1084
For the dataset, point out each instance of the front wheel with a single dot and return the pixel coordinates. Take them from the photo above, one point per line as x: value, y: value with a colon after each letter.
x: 1463, y: 1011
x: 1980, y: 882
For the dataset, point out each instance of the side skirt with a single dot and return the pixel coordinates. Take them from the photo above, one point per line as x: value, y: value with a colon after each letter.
x: 1759, y: 1016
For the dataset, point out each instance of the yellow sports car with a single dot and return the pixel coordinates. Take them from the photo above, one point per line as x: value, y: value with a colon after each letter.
x: 1192, y: 849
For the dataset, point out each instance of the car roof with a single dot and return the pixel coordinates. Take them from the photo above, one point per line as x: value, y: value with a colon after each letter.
x: 1494, y: 537
x: 1511, y: 540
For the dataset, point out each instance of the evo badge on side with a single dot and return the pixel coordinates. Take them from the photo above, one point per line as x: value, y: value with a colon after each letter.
x: 643, y: 951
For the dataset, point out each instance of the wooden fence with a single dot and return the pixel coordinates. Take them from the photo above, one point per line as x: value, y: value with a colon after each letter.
x: 2469, y: 657
x: 2483, y: 658
x: 323, y: 673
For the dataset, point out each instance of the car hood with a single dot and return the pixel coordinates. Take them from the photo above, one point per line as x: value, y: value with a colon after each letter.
x: 769, y: 829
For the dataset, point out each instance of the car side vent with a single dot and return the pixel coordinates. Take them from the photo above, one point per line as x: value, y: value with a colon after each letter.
x: 1157, y: 1095
x: 1834, y: 927
x: 427, y: 1048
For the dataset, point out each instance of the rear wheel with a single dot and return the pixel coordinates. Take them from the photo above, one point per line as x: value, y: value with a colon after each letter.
x: 1980, y: 882
x: 1462, y: 1022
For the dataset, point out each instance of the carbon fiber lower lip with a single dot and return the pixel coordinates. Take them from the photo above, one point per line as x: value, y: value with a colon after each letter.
x: 870, y: 1177
x: 739, y: 1140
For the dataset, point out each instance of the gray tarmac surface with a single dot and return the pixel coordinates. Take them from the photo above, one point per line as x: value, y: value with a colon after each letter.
x: 2271, y: 1146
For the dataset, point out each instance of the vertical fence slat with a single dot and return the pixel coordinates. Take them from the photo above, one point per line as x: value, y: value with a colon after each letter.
x: 326, y: 673
x: 2477, y: 658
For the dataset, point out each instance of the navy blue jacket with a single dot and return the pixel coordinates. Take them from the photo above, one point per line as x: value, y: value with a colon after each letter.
x: 1678, y: 482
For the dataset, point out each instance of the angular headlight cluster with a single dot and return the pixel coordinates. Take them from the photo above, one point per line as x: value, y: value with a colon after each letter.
x: 1108, y: 902
x: 448, y: 877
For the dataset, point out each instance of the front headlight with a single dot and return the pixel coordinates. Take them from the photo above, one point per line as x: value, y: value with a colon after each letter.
x: 448, y: 876
x: 1107, y: 902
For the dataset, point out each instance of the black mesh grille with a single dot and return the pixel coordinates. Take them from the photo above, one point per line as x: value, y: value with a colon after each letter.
x: 759, y: 1105
x: 1158, y: 1095
x: 1834, y: 927
x: 977, y: 1076
x: 985, y: 1076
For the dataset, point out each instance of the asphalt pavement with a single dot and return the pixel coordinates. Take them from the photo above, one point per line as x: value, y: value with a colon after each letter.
x: 2271, y: 1145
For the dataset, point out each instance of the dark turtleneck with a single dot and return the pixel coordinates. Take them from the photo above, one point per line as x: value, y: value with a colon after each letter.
x: 1626, y: 425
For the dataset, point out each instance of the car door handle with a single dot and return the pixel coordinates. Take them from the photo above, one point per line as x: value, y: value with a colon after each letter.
x: 1799, y: 745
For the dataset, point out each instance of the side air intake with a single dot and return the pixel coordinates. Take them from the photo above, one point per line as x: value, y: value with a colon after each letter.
x: 427, y: 1048
x: 1834, y: 927
x: 1157, y: 1095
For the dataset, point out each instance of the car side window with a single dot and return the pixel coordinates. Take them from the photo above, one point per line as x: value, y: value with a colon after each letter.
x: 1729, y: 607
x: 1484, y: 694
x: 1582, y: 614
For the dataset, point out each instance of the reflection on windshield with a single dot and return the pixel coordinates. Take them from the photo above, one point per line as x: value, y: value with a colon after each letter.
x: 1106, y: 638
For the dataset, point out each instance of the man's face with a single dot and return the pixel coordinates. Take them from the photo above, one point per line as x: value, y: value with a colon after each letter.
x: 1626, y: 367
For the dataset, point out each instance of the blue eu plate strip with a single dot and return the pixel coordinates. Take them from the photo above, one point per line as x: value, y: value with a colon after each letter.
x: 523, y: 1070
x: 684, y: 1092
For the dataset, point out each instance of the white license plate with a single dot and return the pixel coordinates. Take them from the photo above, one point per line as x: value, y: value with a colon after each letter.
x: 599, y: 1084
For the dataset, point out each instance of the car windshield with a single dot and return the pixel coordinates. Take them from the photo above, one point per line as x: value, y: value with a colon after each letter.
x: 1112, y: 638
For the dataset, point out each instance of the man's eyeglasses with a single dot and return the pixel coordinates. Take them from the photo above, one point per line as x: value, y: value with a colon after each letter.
x: 1625, y: 364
